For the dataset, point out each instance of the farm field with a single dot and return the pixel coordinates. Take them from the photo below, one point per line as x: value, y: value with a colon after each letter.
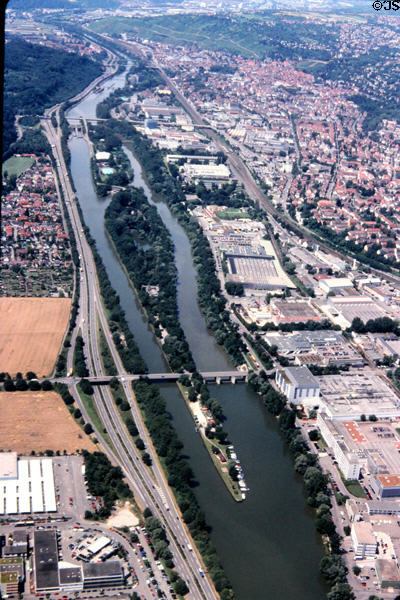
x: 31, y: 332
x: 39, y: 421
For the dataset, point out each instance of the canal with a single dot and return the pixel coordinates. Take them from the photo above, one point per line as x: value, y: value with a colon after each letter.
x: 267, y: 544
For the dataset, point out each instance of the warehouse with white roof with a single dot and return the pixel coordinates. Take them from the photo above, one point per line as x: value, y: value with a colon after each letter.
x: 27, y: 485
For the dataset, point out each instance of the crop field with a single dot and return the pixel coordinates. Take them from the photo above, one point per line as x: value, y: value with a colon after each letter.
x: 31, y: 332
x: 39, y: 421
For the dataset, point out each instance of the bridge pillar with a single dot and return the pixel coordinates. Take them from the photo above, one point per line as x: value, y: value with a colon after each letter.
x: 218, y: 380
x: 233, y: 379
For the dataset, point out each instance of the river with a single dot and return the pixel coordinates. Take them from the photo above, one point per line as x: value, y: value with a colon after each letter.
x: 267, y: 544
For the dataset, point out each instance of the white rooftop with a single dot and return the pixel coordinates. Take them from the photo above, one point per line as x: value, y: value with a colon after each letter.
x: 8, y: 465
x: 32, y: 490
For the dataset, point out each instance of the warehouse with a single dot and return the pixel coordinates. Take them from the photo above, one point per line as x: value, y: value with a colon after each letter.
x: 298, y: 384
x: 45, y: 560
x: 325, y: 347
x: 102, y: 574
x: 349, y: 395
x: 256, y: 267
x: 369, y: 445
x: 27, y: 485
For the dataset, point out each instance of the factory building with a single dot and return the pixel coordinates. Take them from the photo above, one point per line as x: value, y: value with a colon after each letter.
x: 26, y: 485
x: 299, y: 385
x: 51, y: 576
x: 363, y: 539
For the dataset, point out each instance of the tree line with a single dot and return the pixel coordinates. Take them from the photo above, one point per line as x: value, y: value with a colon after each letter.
x: 180, y: 478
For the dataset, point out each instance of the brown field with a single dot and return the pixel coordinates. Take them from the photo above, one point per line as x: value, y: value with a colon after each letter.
x: 39, y: 421
x: 31, y: 332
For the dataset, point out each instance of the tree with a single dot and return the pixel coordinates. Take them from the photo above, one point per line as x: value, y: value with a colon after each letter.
x: 180, y: 587
x: 314, y: 435
x: 47, y: 385
x: 341, y: 591
x: 356, y: 570
x: 21, y: 385
x: 9, y: 385
x: 88, y: 429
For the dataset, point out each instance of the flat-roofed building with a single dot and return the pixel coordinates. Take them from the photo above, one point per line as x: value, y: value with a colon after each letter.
x: 349, y: 461
x: 349, y: 395
x: 363, y: 539
x: 12, y: 576
x: 383, y: 507
x: 102, y: 574
x: 31, y: 490
x: 388, y: 573
x: 330, y: 284
x: 46, y: 560
x: 8, y: 466
x: 386, y: 486
x: 325, y: 347
x: 369, y: 445
x: 70, y: 578
x: 294, y: 311
x: 298, y: 384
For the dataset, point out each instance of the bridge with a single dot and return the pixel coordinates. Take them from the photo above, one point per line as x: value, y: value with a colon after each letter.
x: 208, y: 376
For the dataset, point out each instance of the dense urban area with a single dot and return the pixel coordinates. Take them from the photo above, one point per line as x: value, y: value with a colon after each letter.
x: 200, y: 301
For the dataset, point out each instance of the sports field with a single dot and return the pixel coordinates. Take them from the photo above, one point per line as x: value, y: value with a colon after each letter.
x: 31, y: 332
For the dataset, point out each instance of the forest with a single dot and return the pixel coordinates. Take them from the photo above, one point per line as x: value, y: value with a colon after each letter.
x: 36, y: 77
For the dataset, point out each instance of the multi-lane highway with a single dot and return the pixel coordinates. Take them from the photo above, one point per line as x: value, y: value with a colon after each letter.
x: 149, y: 485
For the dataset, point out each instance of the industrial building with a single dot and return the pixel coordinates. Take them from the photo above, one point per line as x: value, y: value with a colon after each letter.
x: 323, y: 347
x: 386, y: 486
x: 255, y: 267
x: 27, y: 485
x: 50, y: 575
x: 299, y: 385
x: 45, y: 560
x: 294, y: 311
x: 343, y: 309
x: 207, y: 173
x: 349, y: 395
x: 12, y: 576
x: 370, y: 445
x: 363, y: 539
x: 349, y: 461
x: 102, y: 574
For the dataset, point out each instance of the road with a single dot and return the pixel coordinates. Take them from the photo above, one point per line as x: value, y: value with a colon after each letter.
x: 149, y: 486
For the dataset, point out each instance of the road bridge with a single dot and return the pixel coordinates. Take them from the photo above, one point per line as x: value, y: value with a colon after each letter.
x: 208, y: 376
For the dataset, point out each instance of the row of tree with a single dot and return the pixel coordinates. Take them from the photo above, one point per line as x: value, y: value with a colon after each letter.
x: 122, y: 335
x: 180, y: 478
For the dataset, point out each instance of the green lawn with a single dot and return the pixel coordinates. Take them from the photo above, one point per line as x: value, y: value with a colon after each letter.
x: 17, y: 164
x: 354, y: 487
x: 231, y: 214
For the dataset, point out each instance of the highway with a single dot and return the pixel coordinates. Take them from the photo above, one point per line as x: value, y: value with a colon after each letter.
x: 149, y: 485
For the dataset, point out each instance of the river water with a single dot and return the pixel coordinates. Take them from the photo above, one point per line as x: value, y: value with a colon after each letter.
x: 267, y: 544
